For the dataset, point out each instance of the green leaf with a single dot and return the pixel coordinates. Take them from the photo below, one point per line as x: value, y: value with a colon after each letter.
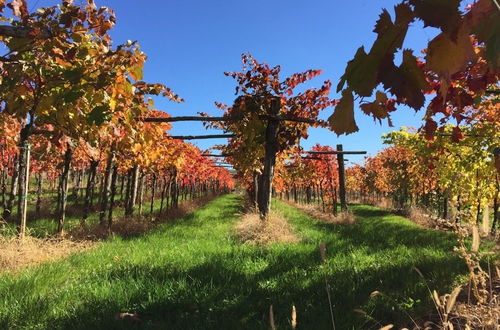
x: 360, y: 74
x: 488, y: 31
x: 73, y: 75
x: 99, y: 115
x: 72, y: 96
x: 443, y: 14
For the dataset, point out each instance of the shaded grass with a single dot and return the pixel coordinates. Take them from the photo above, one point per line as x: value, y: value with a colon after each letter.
x: 192, y: 274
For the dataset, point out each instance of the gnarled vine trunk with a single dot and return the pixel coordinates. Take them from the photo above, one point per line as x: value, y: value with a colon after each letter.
x: 271, y: 149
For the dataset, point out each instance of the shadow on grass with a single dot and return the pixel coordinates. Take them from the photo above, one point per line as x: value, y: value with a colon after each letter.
x: 214, y: 295
x: 233, y: 285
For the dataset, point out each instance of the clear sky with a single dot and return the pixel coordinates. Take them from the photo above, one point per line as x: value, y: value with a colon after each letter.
x: 191, y: 43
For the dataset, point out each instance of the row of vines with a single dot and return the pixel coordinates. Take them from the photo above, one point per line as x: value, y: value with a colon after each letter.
x: 71, y: 117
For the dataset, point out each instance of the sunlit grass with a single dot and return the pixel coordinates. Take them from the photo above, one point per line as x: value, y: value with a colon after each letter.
x: 193, y: 274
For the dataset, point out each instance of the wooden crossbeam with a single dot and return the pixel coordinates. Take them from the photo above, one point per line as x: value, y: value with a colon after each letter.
x: 228, y: 118
x: 202, y: 137
x: 318, y: 158
x: 336, y: 152
x: 213, y: 155
x: 222, y: 166
x: 466, y: 135
x: 187, y: 118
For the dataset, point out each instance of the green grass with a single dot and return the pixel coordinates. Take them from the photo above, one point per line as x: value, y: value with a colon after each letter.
x: 192, y: 274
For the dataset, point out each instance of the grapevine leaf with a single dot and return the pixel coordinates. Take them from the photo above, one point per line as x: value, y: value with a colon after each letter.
x: 443, y: 14
x: 488, y: 31
x: 73, y: 75
x: 99, y: 115
x: 72, y: 96
x: 362, y: 71
x: 439, y: 57
x: 342, y: 121
x: 360, y: 74
x: 391, y: 35
x: 456, y: 134
x: 430, y: 128
x: 378, y: 107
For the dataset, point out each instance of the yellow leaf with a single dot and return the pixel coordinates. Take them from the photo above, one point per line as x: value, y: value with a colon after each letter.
x: 342, y: 121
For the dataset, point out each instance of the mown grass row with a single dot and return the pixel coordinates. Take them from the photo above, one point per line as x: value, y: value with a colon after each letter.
x: 192, y: 274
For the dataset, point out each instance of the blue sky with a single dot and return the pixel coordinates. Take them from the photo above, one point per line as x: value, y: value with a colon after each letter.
x: 191, y: 43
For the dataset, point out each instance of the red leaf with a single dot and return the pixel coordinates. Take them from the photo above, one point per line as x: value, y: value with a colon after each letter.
x: 430, y: 128
x: 456, y: 134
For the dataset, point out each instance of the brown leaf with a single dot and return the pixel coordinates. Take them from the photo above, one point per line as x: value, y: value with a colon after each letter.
x: 446, y: 56
x: 452, y: 299
x: 342, y: 121
x: 387, y: 327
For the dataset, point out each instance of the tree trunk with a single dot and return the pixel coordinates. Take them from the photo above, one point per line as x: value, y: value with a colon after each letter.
x: 122, y: 182
x: 64, y: 189
x: 106, y: 189
x: 271, y: 149
x: 22, y: 202
x: 133, y: 191
x: 163, y: 190
x: 76, y: 187
x: 23, y: 182
x: 153, y: 192
x: 141, y: 192
x: 3, y: 185
x: 13, y: 189
x: 38, y: 195
x: 112, y: 198
x: 496, y: 204
x: 175, y: 190
x: 90, y: 189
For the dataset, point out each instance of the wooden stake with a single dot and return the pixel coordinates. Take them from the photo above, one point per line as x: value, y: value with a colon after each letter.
x: 341, y: 167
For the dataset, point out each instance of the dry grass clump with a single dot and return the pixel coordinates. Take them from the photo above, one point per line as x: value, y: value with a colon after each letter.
x: 419, y: 216
x: 251, y: 229
x: 16, y: 254
x: 344, y: 218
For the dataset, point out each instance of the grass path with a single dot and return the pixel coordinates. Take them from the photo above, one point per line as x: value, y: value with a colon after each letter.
x: 193, y: 275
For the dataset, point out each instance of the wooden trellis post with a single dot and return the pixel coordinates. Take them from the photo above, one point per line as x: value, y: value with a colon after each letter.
x: 341, y: 169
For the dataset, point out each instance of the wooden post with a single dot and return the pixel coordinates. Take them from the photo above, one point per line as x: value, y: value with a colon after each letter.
x: 89, y: 190
x: 106, y: 188
x: 24, y: 171
x: 112, y: 198
x: 271, y: 147
x: 340, y: 160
